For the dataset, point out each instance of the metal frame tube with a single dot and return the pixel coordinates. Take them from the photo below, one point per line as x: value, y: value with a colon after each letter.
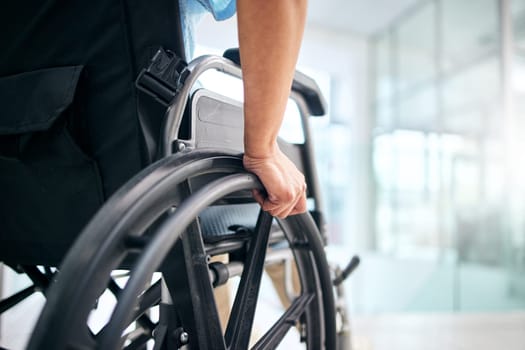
x: 175, y: 111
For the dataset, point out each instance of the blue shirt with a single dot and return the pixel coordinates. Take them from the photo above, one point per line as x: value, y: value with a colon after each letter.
x: 191, y: 11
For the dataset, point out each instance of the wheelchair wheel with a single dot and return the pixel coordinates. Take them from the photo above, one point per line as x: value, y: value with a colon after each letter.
x: 157, y: 223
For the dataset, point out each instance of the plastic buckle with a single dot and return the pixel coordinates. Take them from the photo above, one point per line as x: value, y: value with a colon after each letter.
x: 163, y: 77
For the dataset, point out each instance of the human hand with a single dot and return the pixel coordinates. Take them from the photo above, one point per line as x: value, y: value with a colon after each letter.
x: 284, y: 184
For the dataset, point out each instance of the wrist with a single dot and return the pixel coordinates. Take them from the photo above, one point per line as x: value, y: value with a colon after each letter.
x: 260, y: 150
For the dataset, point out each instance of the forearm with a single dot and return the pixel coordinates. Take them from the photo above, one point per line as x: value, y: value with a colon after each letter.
x: 270, y: 34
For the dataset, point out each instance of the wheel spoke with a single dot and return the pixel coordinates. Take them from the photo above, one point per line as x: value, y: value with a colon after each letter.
x: 39, y: 279
x: 243, y: 311
x: 138, y: 342
x: 14, y: 299
x: 148, y: 299
x: 275, y: 335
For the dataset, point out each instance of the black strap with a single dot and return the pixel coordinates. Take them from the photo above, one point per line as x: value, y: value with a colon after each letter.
x: 163, y: 77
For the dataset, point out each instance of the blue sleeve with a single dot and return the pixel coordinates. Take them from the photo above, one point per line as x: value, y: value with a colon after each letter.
x: 191, y: 11
x: 220, y: 9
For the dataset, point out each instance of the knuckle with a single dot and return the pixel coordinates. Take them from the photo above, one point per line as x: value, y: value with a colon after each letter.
x: 301, y: 206
x: 288, y: 195
x: 272, y: 211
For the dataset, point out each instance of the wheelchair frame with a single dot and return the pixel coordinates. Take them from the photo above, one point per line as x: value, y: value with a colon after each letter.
x: 120, y: 227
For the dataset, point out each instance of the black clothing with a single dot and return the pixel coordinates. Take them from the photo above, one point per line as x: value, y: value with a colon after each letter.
x: 73, y: 128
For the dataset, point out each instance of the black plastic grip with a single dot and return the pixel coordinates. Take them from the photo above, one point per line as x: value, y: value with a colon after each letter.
x: 163, y: 76
x: 352, y: 265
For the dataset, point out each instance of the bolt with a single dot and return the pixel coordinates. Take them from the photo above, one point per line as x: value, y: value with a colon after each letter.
x: 184, y: 337
x: 181, y: 146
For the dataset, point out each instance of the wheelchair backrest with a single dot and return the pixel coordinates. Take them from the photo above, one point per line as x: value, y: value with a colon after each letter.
x: 73, y: 128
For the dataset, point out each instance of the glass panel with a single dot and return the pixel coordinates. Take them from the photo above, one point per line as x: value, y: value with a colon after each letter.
x: 470, y: 31
x: 471, y: 99
x: 383, y: 81
x: 384, y: 168
x: 384, y: 115
x: 518, y: 72
x: 518, y: 23
x: 494, y: 177
x: 451, y: 203
x: 518, y: 67
x: 383, y: 161
x: 515, y: 242
x: 416, y: 47
x: 412, y: 266
x: 332, y: 146
x: 383, y: 61
x: 385, y: 237
x: 416, y: 213
x: 406, y: 196
x: 418, y: 109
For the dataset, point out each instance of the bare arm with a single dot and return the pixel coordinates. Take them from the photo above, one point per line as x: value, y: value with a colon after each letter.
x: 270, y: 34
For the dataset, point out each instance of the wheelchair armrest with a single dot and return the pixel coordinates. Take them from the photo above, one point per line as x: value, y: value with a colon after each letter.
x: 302, y: 84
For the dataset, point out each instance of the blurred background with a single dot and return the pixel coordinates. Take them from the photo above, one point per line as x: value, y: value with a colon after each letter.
x: 422, y: 162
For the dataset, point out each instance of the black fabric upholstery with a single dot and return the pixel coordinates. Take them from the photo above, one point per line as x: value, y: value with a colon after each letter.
x: 73, y: 129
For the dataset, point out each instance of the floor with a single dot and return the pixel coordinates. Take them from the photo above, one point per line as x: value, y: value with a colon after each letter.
x: 418, y: 331
x: 495, y: 331
x: 387, y: 332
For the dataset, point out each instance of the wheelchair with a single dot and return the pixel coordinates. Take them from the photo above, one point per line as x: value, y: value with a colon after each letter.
x: 150, y: 248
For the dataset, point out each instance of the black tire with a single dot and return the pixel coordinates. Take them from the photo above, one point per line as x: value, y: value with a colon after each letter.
x: 119, y: 229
